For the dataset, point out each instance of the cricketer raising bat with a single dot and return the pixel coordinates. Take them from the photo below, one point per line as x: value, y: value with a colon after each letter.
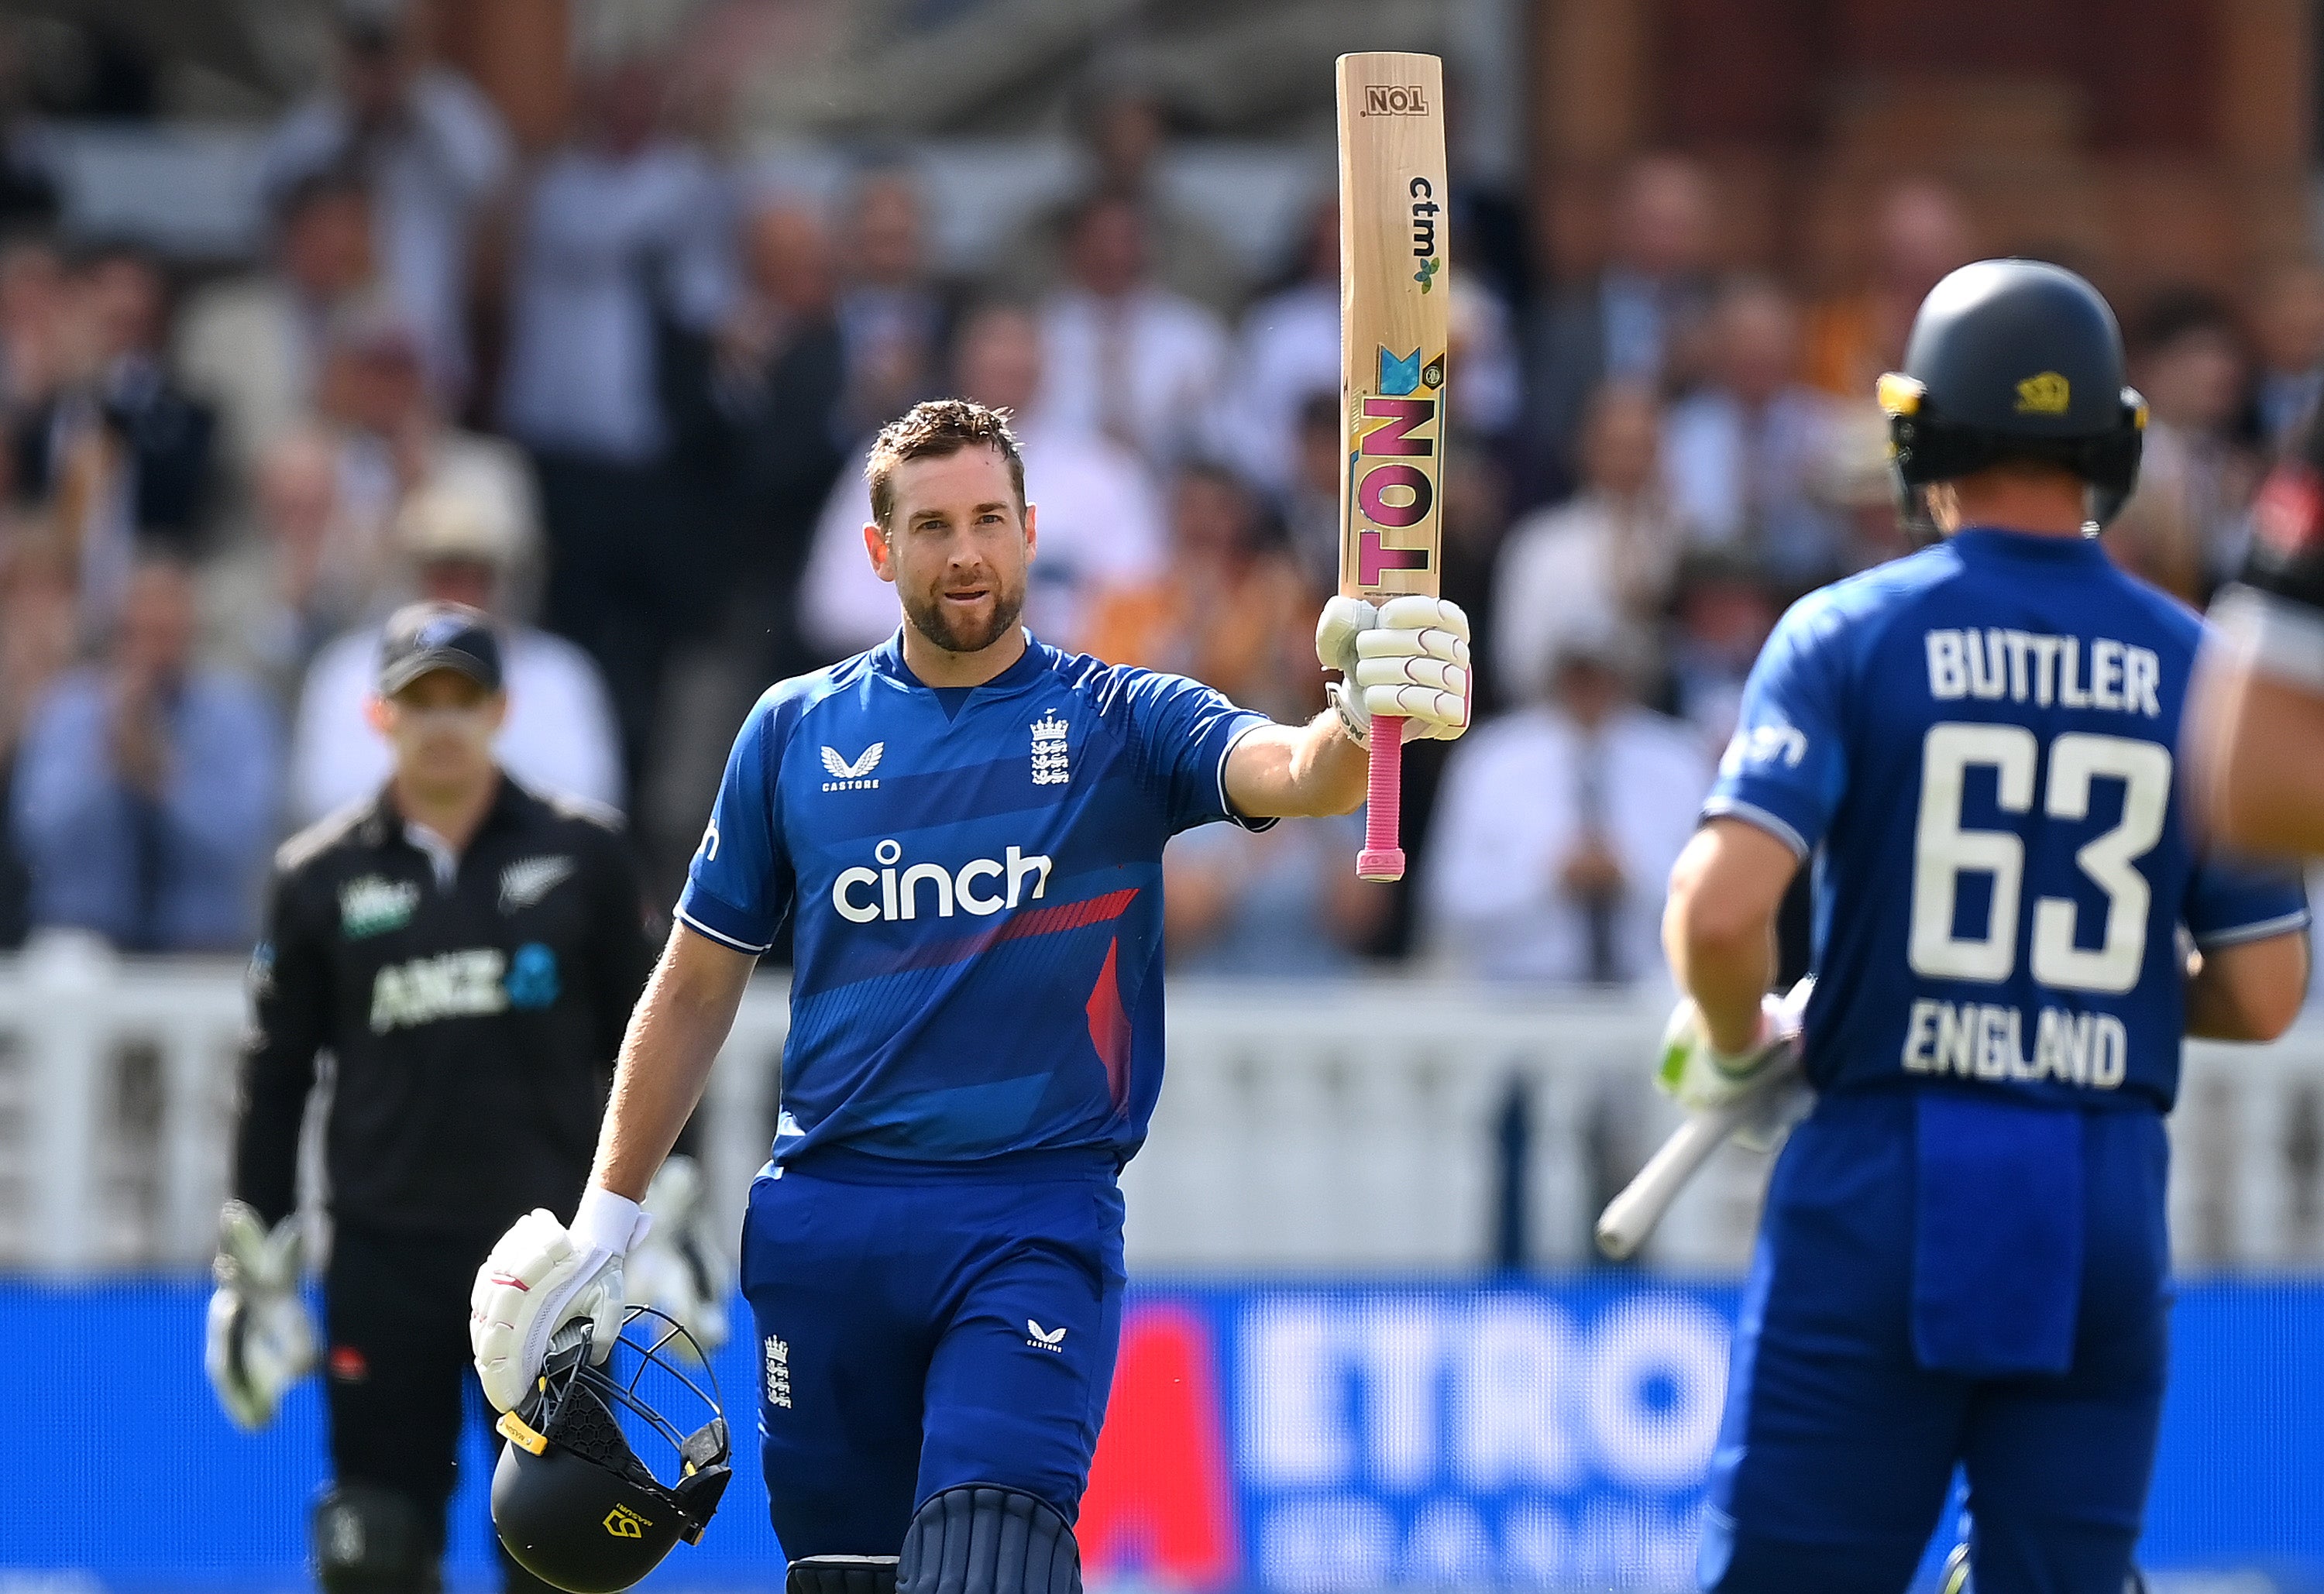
x: 1393, y: 321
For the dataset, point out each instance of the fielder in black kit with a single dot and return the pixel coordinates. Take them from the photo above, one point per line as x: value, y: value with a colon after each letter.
x: 468, y: 953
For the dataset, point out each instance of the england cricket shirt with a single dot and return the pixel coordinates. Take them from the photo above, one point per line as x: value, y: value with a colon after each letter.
x: 975, y: 879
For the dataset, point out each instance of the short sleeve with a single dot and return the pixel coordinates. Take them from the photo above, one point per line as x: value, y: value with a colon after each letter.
x: 739, y: 886
x: 1787, y: 765
x: 2233, y: 901
x: 1183, y: 731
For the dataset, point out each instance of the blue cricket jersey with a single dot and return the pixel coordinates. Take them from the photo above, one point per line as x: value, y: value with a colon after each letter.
x: 975, y: 875
x: 1978, y: 744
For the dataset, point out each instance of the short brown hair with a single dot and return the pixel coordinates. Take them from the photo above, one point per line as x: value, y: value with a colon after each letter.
x: 937, y: 428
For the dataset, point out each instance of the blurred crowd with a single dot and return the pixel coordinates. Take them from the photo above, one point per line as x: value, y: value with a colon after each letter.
x: 618, y: 396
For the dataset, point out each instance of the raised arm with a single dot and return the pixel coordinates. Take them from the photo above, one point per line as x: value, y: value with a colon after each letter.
x: 1297, y: 771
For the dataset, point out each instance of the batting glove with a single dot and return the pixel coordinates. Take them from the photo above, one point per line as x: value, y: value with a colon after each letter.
x: 1407, y: 658
x: 542, y: 1275
x: 260, y: 1339
x: 671, y: 1268
x: 1699, y: 1077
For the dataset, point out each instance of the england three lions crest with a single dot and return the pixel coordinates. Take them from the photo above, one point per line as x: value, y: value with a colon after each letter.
x: 1050, y: 765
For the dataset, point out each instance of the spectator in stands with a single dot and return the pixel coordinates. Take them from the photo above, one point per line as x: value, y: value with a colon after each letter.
x: 1631, y: 323
x: 2200, y: 466
x: 1476, y: 527
x: 783, y: 383
x: 1097, y: 514
x: 623, y: 272
x: 32, y: 322
x: 1224, y: 606
x: 1557, y: 828
x: 1612, y: 549
x: 1744, y: 453
x: 273, y: 600
x: 432, y: 149
x: 1311, y: 504
x: 1122, y: 355
x: 2287, y: 323
x: 147, y: 790
x: 1720, y: 616
x: 251, y: 346
x: 1483, y: 349
x: 1286, y: 351
x: 28, y: 185
x: 1279, y: 904
x: 895, y: 318
x: 1122, y: 129
x: 559, y: 735
x: 38, y: 629
x: 391, y: 441
x: 115, y: 450
x: 1919, y: 234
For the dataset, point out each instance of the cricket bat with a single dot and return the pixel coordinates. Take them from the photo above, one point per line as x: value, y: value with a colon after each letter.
x: 1631, y: 1216
x: 1393, y: 323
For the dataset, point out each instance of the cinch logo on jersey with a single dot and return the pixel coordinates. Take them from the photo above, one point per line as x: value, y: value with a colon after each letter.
x: 862, y: 895
x: 1979, y: 1041
x: 474, y: 983
x: 2024, y: 667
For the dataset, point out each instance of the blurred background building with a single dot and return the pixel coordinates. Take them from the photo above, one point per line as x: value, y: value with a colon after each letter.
x: 584, y: 310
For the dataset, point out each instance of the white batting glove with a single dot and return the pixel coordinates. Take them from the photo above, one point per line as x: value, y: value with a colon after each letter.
x: 1408, y: 657
x: 259, y: 1339
x: 1699, y: 1077
x: 542, y: 1275
x: 672, y: 1269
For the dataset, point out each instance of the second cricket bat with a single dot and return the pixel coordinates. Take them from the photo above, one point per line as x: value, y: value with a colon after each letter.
x: 1393, y: 322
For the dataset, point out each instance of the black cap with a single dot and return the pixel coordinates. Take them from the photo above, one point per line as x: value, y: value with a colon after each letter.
x: 424, y: 636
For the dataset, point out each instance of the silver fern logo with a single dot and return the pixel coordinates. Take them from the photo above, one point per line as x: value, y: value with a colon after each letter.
x: 1049, y: 766
x: 852, y: 776
x: 529, y: 879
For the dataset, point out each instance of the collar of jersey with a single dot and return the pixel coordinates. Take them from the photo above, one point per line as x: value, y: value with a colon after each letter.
x: 385, y: 825
x: 888, y: 659
x: 1974, y: 540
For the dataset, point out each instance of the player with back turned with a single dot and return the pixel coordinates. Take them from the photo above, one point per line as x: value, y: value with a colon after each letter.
x: 964, y: 827
x: 1963, y: 1256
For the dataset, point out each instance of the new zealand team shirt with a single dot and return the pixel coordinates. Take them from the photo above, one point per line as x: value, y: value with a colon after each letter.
x: 1977, y: 742
x: 976, y: 876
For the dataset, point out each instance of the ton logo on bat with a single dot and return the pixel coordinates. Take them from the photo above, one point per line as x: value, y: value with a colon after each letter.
x: 1407, y: 403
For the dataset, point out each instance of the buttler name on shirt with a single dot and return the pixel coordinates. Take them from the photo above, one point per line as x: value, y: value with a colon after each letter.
x: 2028, y: 666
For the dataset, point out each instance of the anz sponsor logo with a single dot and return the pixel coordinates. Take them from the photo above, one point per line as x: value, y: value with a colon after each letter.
x: 472, y: 983
x: 981, y: 885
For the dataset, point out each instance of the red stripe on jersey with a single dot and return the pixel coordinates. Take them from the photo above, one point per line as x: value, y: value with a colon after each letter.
x: 1066, y: 916
x: 1109, y: 1025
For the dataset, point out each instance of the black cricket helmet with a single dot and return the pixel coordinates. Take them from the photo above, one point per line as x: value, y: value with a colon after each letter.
x: 573, y: 1504
x: 2014, y: 359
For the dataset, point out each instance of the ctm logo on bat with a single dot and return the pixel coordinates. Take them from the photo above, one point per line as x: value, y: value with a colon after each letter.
x: 1391, y: 493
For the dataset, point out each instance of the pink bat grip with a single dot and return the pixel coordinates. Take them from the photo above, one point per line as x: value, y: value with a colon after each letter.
x: 1382, y: 859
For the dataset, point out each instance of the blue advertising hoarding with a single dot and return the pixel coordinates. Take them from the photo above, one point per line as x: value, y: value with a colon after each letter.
x: 1533, y: 1434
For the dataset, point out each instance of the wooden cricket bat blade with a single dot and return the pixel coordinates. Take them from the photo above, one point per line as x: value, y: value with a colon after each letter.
x: 1394, y: 322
